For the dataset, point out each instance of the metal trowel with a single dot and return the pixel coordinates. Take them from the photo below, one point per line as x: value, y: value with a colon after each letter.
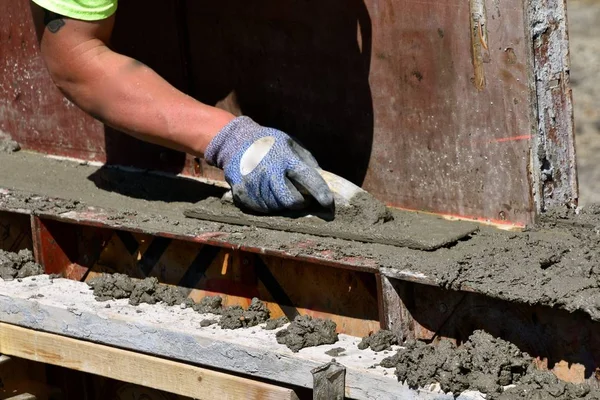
x: 358, y: 216
x: 343, y: 192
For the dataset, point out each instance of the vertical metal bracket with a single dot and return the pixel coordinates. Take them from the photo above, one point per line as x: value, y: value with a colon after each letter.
x: 329, y: 382
x: 393, y: 314
x: 554, y: 169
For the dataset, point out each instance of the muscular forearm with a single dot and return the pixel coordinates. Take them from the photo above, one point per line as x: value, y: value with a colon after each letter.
x: 123, y: 92
x: 129, y: 96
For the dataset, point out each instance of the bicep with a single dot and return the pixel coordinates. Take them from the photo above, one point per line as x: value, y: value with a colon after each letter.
x: 67, y: 43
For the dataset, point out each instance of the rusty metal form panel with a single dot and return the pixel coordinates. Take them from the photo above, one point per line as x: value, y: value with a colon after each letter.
x: 452, y: 108
x: 554, y: 166
x: 426, y: 104
x: 429, y: 105
x: 32, y: 109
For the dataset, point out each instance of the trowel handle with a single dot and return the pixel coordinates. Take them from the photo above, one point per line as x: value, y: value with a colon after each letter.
x: 343, y: 190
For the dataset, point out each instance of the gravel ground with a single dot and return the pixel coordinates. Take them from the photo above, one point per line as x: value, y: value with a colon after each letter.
x: 584, y: 31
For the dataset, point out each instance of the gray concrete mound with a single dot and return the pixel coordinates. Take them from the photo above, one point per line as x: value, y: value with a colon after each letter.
x: 305, y: 331
x: 18, y: 265
x: 148, y: 290
x: 277, y: 323
x: 379, y: 341
x: 485, y: 364
x: 236, y: 317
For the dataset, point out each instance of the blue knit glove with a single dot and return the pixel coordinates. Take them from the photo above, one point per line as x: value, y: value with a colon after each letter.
x: 266, y: 169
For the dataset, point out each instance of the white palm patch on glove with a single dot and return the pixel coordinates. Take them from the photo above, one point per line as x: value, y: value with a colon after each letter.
x: 255, y: 154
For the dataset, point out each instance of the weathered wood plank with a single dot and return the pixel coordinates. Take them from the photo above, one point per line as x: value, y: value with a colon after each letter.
x: 395, y: 317
x: 68, y: 308
x: 329, y: 382
x: 554, y: 170
x: 128, y: 366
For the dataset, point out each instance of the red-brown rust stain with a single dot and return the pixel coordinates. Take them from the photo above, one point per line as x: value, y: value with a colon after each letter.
x: 506, y: 75
x: 510, y: 56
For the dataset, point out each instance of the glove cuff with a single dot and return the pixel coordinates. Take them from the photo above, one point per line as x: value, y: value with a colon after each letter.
x: 240, y: 132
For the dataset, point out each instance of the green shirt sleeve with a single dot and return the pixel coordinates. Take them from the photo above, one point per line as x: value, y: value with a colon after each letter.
x: 87, y: 10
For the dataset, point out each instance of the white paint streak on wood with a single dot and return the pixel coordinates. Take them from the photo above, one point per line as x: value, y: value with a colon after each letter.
x: 68, y: 308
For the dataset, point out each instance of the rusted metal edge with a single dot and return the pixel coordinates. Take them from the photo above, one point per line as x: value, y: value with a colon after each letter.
x: 553, y: 164
x: 100, y: 219
x: 386, y: 299
x: 220, y: 239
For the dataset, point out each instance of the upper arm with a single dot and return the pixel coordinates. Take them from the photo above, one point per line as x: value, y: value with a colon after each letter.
x: 67, y: 43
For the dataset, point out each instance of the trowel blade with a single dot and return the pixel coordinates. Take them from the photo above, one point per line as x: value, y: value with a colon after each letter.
x: 408, y: 229
x: 343, y: 190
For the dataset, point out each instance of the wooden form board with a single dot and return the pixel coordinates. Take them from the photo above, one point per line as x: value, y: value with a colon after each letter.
x: 287, y: 287
x: 455, y: 107
x: 409, y: 303
x: 128, y: 366
x: 68, y: 308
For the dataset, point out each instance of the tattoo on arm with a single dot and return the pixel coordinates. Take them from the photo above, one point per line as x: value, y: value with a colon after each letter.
x: 53, y: 21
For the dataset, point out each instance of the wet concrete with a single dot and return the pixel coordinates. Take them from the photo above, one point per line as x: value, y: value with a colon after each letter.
x: 305, y: 331
x: 542, y: 385
x: 553, y: 264
x: 136, y: 199
x: 111, y: 286
x: 149, y: 290
x: 7, y: 144
x: 277, y: 323
x: 236, y: 317
x: 335, y: 352
x: 208, y: 322
x: 208, y: 304
x: 382, y: 340
x: 483, y: 363
x: 18, y: 265
x: 363, y: 220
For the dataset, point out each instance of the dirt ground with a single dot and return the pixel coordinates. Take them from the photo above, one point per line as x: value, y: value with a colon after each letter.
x: 584, y: 30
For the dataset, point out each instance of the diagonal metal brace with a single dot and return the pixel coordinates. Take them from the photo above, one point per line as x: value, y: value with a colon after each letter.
x: 329, y: 382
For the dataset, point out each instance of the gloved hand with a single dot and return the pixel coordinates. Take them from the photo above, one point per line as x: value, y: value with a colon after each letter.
x: 265, y: 167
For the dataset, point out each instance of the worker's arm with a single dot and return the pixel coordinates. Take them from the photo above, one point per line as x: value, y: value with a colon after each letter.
x: 259, y: 163
x: 120, y: 91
